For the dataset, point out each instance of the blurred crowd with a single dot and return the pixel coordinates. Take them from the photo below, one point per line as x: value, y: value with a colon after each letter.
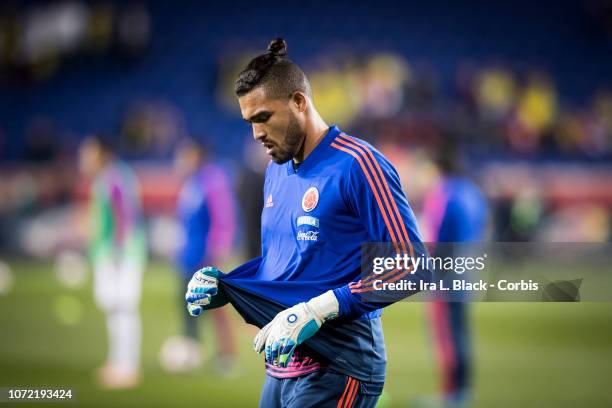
x: 487, y: 107
x: 506, y: 123
x: 541, y: 155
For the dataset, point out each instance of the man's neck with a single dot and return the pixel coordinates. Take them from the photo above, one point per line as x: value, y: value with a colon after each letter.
x: 315, y: 132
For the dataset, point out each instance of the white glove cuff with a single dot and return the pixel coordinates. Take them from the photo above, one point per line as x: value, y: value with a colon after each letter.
x: 324, y: 307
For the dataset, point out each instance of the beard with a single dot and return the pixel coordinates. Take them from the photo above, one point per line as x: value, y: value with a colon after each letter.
x: 292, y: 143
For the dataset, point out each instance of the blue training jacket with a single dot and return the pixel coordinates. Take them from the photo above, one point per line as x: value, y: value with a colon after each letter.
x: 314, y: 221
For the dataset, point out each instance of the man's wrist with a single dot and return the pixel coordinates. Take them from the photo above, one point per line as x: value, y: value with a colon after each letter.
x: 325, y: 307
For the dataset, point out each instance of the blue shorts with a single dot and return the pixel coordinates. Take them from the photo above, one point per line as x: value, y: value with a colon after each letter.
x: 323, y: 388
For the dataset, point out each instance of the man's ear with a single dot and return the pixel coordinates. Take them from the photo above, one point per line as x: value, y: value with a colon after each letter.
x: 299, y: 101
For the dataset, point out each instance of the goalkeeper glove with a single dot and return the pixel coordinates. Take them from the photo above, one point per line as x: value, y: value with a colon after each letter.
x: 203, y: 291
x: 293, y: 326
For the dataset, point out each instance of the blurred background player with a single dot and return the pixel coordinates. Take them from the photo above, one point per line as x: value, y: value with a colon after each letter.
x: 118, y: 253
x: 249, y: 187
x: 206, y: 212
x: 454, y: 211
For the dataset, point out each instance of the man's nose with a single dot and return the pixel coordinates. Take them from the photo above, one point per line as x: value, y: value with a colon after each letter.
x: 258, y: 133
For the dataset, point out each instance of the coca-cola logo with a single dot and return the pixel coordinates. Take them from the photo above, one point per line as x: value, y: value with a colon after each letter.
x: 308, y: 236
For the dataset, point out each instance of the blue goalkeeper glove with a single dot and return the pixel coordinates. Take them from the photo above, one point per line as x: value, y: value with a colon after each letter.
x: 203, y: 291
x: 293, y: 326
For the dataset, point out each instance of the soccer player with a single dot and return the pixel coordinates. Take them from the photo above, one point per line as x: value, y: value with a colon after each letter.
x: 455, y: 211
x: 118, y: 253
x: 206, y: 213
x: 325, y: 194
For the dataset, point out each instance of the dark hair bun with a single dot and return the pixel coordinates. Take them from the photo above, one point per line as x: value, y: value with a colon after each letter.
x: 278, y: 47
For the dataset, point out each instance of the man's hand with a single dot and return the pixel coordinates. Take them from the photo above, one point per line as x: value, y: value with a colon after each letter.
x: 202, y: 291
x: 293, y: 326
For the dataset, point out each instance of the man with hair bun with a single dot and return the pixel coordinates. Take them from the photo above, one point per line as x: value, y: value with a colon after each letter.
x: 325, y: 194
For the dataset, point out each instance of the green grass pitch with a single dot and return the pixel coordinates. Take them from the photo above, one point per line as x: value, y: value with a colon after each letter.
x: 526, y: 354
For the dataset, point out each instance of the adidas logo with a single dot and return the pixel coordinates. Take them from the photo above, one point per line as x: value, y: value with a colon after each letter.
x: 269, y: 202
